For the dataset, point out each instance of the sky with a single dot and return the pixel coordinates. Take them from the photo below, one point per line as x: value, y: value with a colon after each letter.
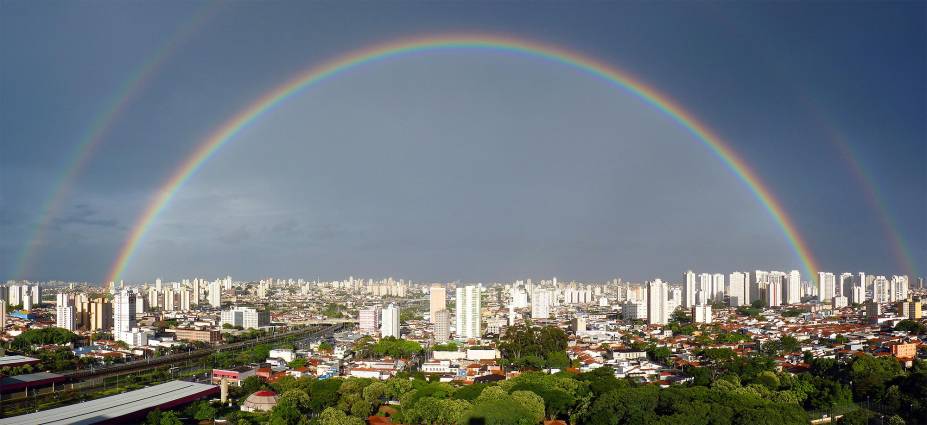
x: 470, y: 165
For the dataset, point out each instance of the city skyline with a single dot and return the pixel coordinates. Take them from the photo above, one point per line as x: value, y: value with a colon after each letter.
x: 619, y: 186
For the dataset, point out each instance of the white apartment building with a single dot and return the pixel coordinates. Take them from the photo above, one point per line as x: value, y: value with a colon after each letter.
x: 246, y: 317
x: 389, y: 325
x: 657, y: 303
x: 540, y: 304
x: 64, y: 312
x: 468, y: 312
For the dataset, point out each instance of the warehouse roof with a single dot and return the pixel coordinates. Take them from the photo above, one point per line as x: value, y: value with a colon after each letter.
x: 126, y: 404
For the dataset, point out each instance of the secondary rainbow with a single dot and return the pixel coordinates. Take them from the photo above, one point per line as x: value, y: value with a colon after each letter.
x: 98, y: 131
x: 316, y: 74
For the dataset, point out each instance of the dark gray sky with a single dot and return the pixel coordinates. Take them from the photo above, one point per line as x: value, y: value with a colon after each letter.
x: 470, y: 165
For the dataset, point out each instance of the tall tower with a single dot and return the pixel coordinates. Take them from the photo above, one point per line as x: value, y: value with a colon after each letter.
x: 657, y: 300
x: 437, y: 302
x: 389, y: 326
x: 468, y: 312
x: 688, y: 289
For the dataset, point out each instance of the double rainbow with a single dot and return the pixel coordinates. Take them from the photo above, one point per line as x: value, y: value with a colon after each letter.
x: 317, y: 74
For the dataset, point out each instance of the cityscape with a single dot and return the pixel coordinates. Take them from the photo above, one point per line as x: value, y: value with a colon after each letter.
x: 455, y: 213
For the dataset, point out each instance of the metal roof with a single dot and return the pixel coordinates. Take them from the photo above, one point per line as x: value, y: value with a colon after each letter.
x: 13, y: 360
x: 113, y: 407
x: 31, y: 377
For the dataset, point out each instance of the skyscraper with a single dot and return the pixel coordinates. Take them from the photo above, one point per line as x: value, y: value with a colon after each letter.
x: 657, y: 309
x: 438, y: 301
x: 123, y: 313
x: 793, y: 288
x: 688, y: 289
x: 827, y: 283
x: 540, y: 304
x: 64, y: 312
x: 442, y: 326
x: 468, y: 312
x: 215, y: 294
x: 738, y: 289
x: 369, y: 319
x: 389, y: 326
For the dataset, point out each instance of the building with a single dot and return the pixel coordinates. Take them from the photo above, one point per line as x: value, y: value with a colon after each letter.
x: 215, y: 294
x: 369, y: 319
x: 910, y: 309
x: 64, y: 312
x: 468, y: 312
x: 245, y: 317
x: 389, y: 325
x: 234, y: 375
x: 738, y: 290
x: 774, y: 290
x: 657, y: 309
x: 100, y: 315
x: 540, y: 304
x: 206, y: 335
x: 688, y: 289
x: 793, y: 288
x: 827, y: 284
x: 578, y: 325
x: 442, y: 326
x: 701, y: 314
x: 437, y: 302
x: 904, y: 351
x: 2, y: 315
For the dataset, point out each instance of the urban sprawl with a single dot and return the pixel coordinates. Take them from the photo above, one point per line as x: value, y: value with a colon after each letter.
x: 761, y: 347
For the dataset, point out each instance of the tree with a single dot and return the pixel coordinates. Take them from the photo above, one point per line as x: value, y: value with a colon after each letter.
x: 911, y: 326
x: 332, y: 416
x: 204, y: 411
x: 533, y: 403
x: 170, y: 418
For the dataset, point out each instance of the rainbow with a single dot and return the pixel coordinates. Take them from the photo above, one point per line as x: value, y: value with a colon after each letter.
x: 101, y: 125
x: 866, y: 181
x: 228, y: 130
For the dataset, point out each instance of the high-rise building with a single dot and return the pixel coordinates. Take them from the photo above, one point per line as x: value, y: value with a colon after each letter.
x: 701, y: 313
x: 738, y: 292
x: 442, y: 326
x: 2, y: 314
x: 64, y: 312
x: 100, y: 315
x: 438, y: 301
x: 793, y: 288
x: 717, y: 287
x: 657, y: 300
x: 759, y: 279
x: 911, y: 309
x: 369, y: 319
x: 245, y: 317
x: 468, y: 312
x: 688, y: 289
x: 215, y: 294
x: 827, y: 283
x: 704, y: 289
x: 169, y: 299
x: 123, y: 313
x: 578, y: 325
x: 185, y: 299
x: 774, y: 290
x: 540, y: 304
x: 389, y: 325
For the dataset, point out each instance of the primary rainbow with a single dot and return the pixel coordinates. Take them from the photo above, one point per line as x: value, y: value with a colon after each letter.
x: 319, y: 73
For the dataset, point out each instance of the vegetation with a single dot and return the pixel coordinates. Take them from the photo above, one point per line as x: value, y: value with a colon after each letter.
x: 333, y: 311
x: 27, y: 339
x: 450, y: 346
x: 365, y: 347
x: 531, y: 348
x: 911, y: 326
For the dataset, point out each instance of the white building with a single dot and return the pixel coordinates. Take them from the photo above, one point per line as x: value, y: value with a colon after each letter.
x: 657, y: 299
x: 64, y: 312
x: 540, y: 304
x: 245, y: 317
x: 701, y: 314
x: 827, y: 284
x: 389, y: 325
x: 215, y: 294
x: 738, y: 290
x: 688, y: 289
x: 793, y: 288
x: 468, y: 312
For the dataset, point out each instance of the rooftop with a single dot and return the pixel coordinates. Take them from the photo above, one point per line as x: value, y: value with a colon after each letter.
x: 16, y: 360
x: 117, y: 406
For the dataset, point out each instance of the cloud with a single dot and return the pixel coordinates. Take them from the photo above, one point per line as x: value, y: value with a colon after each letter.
x: 85, y: 215
x: 235, y: 236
